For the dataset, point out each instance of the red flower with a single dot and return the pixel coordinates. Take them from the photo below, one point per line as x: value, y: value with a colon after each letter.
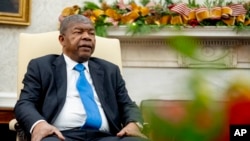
x: 237, y: 113
x: 193, y: 23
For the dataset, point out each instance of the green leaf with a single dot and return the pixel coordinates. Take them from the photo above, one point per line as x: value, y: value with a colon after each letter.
x: 101, y: 30
x: 90, y: 6
x: 144, y: 2
x: 185, y: 45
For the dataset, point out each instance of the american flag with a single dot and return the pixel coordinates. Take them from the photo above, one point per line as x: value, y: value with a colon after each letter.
x: 238, y: 9
x: 181, y: 9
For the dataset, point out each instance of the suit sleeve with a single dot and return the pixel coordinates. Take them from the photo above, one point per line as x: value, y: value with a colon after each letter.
x: 27, y: 109
x: 130, y: 111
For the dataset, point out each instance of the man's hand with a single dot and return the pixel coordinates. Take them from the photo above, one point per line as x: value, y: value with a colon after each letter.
x: 43, y: 129
x: 131, y: 129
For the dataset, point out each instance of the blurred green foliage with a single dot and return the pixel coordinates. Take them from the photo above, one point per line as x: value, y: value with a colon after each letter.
x: 203, y: 118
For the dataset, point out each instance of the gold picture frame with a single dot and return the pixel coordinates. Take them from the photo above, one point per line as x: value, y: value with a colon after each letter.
x: 15, y: 12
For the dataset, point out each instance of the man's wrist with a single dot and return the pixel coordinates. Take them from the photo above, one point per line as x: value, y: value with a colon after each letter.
x: 31, y: 129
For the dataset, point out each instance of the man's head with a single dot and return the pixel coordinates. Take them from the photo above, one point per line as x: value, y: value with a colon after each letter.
x: 77, y: 37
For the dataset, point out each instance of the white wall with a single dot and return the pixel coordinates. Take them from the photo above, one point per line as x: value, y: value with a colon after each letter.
x: 172, y: 83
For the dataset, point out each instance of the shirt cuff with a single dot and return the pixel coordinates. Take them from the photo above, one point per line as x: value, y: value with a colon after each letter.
x: 32, y: 127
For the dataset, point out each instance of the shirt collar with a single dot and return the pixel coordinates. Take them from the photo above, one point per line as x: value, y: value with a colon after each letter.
x: 70, y: 64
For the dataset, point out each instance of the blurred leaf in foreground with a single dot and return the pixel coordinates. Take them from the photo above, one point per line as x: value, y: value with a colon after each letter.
x: 185, y: 45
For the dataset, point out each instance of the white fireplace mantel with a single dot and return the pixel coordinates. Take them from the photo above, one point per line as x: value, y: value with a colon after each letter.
x: 220, y: 47
x: 205, y: 31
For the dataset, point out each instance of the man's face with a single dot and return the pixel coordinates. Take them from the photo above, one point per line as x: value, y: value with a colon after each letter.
x: 78, y: 41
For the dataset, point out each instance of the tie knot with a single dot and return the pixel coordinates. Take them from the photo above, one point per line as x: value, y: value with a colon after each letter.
x: 79, y: 67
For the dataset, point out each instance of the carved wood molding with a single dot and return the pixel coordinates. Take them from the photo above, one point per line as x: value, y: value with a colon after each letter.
x: 213, y: 52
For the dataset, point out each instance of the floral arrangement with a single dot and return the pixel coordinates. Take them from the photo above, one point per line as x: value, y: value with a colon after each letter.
x: 150, y: 16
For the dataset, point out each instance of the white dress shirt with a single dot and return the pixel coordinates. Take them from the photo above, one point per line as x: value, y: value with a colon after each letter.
x: 73, y: 113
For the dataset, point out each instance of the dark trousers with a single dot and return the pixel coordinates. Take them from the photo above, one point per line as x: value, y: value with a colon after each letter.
x: 91, y: 135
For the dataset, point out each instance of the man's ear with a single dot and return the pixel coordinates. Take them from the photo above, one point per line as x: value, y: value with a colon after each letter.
x: 61, y: 39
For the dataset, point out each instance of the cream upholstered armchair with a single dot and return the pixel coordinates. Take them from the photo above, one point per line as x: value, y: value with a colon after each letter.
x: 38, y: 44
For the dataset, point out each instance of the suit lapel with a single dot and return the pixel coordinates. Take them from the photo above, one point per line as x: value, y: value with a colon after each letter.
x: 60, y: 74
x: 97, y: 76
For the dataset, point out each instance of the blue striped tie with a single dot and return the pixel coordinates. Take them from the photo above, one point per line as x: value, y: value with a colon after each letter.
x: 93, y: 120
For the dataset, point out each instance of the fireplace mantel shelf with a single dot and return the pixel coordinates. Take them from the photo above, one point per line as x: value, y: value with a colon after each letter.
x: 206, y: 31
x: 220, y: 47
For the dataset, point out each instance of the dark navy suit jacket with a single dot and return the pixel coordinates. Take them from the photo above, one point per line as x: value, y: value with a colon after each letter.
x: 44, y: 92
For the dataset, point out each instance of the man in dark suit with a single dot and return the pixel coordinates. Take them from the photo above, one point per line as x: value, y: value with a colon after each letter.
x: 50, y: 107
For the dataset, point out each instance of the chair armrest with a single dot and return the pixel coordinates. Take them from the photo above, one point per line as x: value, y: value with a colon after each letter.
x: 12, y: 124
x: 146, y: 129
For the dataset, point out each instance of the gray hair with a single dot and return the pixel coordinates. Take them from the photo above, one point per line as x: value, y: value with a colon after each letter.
x: 73, y: 19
